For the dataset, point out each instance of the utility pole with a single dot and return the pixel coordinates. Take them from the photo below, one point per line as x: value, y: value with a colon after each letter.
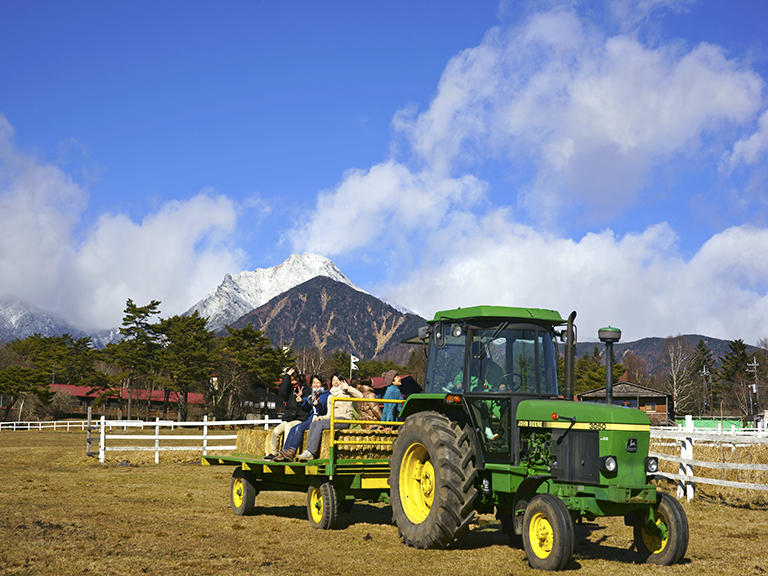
x: 752, y: 368
x: 706, y: 401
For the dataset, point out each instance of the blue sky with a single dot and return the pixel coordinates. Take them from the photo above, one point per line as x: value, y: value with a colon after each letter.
x: 603, y: 157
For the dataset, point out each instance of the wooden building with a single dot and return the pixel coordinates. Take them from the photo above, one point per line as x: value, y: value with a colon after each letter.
x: 114, y: 404
x: 655, y: 403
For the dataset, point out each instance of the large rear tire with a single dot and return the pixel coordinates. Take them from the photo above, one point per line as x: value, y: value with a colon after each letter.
x: 667, y: 542
x: 548, y: 533
x: 242, y: 493
x: 432, y: 480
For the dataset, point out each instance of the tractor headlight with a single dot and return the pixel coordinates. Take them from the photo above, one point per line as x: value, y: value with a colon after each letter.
x: 609, y: 464
x: 651, y: 465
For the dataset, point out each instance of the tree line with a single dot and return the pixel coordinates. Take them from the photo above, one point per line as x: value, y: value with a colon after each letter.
x: 736, y: 384
x: 179, y: 355
x: 176, y: 356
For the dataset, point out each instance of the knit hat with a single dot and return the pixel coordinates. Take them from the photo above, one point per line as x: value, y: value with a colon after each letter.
x: 389, y: 376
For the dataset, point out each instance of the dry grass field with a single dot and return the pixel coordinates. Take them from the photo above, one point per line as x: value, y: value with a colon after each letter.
x: 63, y: 514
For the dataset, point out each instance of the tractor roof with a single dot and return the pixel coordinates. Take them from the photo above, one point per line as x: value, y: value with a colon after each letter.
x: 500, y: 312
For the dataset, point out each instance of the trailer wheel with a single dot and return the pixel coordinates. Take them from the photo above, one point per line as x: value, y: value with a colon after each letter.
x: 547, y: 533
x: 665, y: 541
x: 242, y: 493
x: 322, y: 506
x: 432, y: 480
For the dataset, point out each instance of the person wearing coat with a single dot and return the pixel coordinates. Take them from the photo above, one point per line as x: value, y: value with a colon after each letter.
x: 368, y: 410
x: 317, y: 402
x: 391, y: 409
x: 341, y: 411
x: 293, y: 390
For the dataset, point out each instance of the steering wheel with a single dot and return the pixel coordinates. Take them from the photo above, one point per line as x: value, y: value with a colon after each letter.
x: 516, y: 379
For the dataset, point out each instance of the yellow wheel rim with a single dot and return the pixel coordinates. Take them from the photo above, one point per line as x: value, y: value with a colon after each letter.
x: 653, y: 542
x: 541, y: 535
x: 316, y: 505
x: 417, y: 483
x: 237, y: 492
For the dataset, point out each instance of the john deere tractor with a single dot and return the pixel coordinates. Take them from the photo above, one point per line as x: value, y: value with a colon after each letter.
x: 492, y: 432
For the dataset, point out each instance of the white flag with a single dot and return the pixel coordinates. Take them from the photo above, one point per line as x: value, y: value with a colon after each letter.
x: 352, y: 360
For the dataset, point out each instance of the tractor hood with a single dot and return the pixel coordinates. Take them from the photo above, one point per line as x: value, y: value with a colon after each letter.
x: 550, y: 411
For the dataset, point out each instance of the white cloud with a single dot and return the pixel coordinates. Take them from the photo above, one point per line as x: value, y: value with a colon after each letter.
x: 587, y: 116
x: 592, y: 113
x: 39, y: 206
x: 639, y: 282
x: 755, y: 147
x: 382, y: 205
x: 174, y: 255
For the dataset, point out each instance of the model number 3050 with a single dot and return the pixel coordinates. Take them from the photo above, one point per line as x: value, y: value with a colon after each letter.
x: 597, y: 425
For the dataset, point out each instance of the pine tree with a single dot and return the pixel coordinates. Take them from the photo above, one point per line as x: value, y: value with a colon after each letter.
x: 590, y: 372
x: 189, y: 355
x: 733, y: 377
x: 138, y: 352
x: 248, y: 362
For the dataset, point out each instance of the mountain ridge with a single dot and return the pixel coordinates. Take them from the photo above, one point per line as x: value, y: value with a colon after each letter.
x: 18, y: 319
x: 240, y: 293
x: 329, y: 315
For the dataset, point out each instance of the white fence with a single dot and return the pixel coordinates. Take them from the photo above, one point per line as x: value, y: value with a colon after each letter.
x: 152, y: 442
x: 45, y: 425
x: 687, y: 436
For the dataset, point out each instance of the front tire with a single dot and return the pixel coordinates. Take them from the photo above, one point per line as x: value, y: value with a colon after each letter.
x: 432, y: 480
x: 242, y: 493
x: 666, y: 541
x: 322, y: 506
x: 548, y: 535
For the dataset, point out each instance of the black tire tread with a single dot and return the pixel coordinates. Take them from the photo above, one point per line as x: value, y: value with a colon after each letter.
x: 677, y: 541
x: 452, y: 455
x: 562, y: 525
x: 330, y: 515
x: 249, y: 493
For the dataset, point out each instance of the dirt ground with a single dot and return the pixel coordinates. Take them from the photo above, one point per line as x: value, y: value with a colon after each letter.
x: 63, y: 513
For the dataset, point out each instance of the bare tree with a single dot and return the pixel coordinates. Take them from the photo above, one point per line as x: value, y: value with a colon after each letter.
x: 310, y: 361
x: 637, y: 369
x: 679, y: 382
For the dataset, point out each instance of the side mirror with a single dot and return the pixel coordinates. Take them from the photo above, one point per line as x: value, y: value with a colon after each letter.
x: 424, y: 332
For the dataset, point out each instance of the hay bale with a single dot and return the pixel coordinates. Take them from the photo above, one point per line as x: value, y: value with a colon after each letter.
x: 351, y: 450
x: 252, y: 441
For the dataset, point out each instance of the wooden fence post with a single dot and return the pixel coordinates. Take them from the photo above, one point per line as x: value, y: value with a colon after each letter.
x: 102, y: 438
x: 157, y: 440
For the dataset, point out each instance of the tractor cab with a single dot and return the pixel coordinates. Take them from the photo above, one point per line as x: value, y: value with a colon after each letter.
x: 493, y: 358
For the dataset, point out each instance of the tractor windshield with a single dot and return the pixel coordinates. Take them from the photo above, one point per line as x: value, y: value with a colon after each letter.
x: 515, y: 359
x: 507, y: 358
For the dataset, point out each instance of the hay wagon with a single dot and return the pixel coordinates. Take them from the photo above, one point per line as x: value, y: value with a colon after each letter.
x: 353, y: 464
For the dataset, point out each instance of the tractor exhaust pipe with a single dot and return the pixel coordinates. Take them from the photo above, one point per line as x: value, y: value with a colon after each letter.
x: 570, y: 355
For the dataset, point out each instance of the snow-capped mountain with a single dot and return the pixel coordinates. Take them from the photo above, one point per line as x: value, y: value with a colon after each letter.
x: 19, y: 320
x: 240, y: 293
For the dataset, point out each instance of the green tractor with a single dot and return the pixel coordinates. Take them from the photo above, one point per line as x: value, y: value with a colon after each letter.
x: 490, y: 432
